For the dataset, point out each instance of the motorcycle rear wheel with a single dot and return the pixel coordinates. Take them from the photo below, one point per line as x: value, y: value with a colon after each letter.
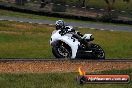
x: 97, y: 51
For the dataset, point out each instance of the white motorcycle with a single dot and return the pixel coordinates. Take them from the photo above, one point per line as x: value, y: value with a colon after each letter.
x: 65, y: 44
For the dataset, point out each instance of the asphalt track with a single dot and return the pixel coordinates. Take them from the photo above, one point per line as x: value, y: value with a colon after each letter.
x: 100, y: 26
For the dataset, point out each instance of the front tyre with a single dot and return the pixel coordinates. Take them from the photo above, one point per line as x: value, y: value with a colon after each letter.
x: 61, y: 50
x: 97, y: 51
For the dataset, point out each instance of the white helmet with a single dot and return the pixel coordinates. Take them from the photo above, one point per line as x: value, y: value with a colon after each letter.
x: 59, y: 24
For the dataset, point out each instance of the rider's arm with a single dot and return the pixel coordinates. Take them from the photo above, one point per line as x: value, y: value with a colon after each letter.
x: 79, y: 33
x: 66, y: 30
x: 63, y: 31
x: 69, y: 29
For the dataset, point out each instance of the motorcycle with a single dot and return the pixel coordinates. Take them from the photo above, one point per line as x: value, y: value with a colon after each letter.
x: 65, y: 44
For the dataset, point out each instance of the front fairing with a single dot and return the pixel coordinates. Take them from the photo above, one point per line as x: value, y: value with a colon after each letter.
x: 67, y: 38
x: 55, y: 35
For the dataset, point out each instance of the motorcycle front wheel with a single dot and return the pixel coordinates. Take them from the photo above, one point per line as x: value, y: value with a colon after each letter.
x: 61, y: 50
x: 97, y: 51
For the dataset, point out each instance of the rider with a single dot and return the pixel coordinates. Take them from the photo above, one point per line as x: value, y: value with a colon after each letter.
x: 60, y: 25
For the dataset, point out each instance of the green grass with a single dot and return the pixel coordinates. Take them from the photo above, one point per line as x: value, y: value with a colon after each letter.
x: 55, y: 80
x: 24, y: 40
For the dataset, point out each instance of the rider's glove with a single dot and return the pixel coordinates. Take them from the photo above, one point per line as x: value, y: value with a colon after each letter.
x: 79, y: 33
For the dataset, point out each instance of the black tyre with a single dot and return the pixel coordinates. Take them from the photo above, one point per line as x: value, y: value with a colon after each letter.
x: 98, y: 52
x: 61, y: 50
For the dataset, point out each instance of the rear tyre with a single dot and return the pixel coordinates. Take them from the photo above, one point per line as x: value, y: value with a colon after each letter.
x: 61, y: 50
x: 97, y: 51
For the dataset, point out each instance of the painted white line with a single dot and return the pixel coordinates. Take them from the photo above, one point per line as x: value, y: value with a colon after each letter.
x: 20, y: 21
x: 30, y: 22
x: 92, y: 28
x: 102, y: 29
x: 122, y: 11
x: 112, y: 10
x: 10, y: 20
x: 51, y: 24
x: 83, y: 7
x: 73, y: 6
x: 91, y: 8
x: 111, y: 30
x: 80, y: 27
x: 66, y: 5
x: 40, y: 23
x: 101, y: 9
x: 58, y: 4
x: 51, y: 3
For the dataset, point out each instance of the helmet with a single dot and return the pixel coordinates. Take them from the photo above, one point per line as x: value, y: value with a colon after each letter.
x: 59, y: 24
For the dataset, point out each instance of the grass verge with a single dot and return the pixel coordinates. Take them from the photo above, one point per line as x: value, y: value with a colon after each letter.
x: 55, y: 80
x: 25, y: 40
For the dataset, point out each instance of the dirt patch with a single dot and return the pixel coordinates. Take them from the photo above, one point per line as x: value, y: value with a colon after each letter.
x: 61, y: 66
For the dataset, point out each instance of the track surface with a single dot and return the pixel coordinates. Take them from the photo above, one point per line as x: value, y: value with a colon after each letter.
x: 100, y: 26
x: 46, y: 66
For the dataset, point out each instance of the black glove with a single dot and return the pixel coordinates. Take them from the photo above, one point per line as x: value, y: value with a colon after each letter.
x: 79, y: 33
x: 63, y: 32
